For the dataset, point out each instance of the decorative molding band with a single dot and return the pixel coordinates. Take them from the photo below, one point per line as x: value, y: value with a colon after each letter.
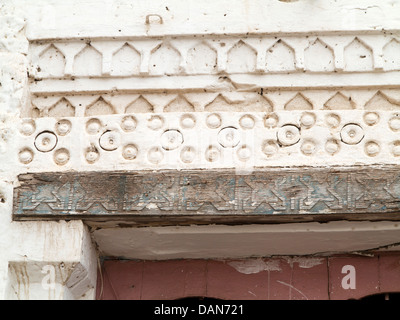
x: 66, y: 59
x: 212, y: 83
x: 80, y: 105
x: 243, y: 141
x: 274, y: 192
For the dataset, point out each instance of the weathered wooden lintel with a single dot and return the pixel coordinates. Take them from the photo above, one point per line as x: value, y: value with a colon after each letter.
x: 199, y: 197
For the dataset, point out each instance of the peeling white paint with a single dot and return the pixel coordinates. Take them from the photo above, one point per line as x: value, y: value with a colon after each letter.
x: 304, y: 262
x: 255, y: 265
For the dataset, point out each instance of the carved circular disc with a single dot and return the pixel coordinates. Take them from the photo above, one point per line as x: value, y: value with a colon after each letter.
x: 308, y: 147
x: 371, y: 118
x: 110, y: 140
x: 213, y: 121
x: 244, y: 153
x: 188, y: 154
x: 288, y: 135
x: 228, y: 137
x: 212, y: 154
x: 171, y: 139
x: 27, y: 127
x: 92, y: 154
x: 308, y: 119
x: 270, y: 148
x: 128, y: 123
x: 247, y: 122
x: 372, y: 148
x: 155, y: 155
x: 188, y: 121
x: 63, y: 127
x: 394, y: 123
x: 332, y: 146
x: 352, y: 134
x: 130, y: 152
x: 93, y: 126
x: 332, y: 120
x: 25, y: 156
x: 61, y: 156
x: 271, y: 120
x: 155, y: 122
x: 46, y: 141
x: 396, y: 148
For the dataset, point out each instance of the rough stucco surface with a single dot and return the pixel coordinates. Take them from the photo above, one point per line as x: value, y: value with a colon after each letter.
x: 26, y: 248
x: 66, y: 61
x: 215, y: 241
x: 125, y: 18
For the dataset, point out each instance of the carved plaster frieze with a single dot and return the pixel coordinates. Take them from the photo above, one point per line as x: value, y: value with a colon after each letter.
x: 198, y: 55
x: 188, y: 140
x: 262, y: 100
x: 215, y: 64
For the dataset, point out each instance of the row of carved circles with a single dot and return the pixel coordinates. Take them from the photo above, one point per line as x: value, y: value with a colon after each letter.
x: 350, y: 134
x: 332, y: 146
x: 228, y: 137
x: 61, y: 156
x: 247, y: 121
x: 156, y: 155
x: 62, y: 127
x: 370, y: 118
x: 213, y: 121
x: 212, y: 154
x: 188, y: 121
x: 129, y: 123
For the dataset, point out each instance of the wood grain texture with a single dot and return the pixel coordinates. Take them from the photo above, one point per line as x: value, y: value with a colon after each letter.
x: 285, y: 195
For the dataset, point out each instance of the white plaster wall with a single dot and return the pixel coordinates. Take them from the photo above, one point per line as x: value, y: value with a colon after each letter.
x: 48, y: 18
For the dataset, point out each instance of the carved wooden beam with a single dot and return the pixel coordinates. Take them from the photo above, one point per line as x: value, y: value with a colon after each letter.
x: 361, y: 193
